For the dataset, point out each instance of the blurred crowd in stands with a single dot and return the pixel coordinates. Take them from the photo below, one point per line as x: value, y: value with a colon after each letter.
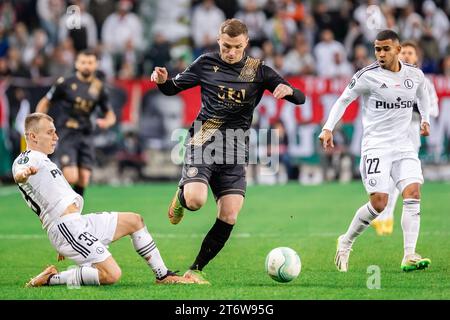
x: 329, y: 39
x: 325, y: 38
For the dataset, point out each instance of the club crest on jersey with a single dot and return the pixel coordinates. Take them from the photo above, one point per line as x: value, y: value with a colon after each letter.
x: 352, y: 83
x: 65, y: 159
x: 23, y: 160
x: 408, y: 83
x: 192, y: 172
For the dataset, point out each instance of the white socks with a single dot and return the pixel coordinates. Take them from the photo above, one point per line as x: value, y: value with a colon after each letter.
x: 78, y: 276
x: 145, y: 246
x: 410, y: 224
x: 360, y: 222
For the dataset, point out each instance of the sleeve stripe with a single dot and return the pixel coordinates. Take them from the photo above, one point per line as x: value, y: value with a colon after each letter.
x: 175, y: 84
x: 369, y: 67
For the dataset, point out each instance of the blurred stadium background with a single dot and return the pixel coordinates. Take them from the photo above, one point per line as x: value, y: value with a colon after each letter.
x: 317, y: 45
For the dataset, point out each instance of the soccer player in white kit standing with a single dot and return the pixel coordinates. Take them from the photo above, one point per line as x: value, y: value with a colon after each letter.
x: 389, y: 89
x: 81, y: 238
x: 384, y: 224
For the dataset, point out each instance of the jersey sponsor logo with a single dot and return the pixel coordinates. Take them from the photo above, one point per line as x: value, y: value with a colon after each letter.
x: 352, y: 83
x: 400, y: 104
x: 55, y: 172
x: 231, y: 94
x: 409, y: 84
x: 23, y: 160
x: 83, y: 104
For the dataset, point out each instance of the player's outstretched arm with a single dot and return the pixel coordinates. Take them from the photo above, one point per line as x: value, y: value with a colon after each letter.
x: 43, y: 105
x: 23, y: 174
x: 284, y: 91
x: 424, y: 106
x: 187, y: 79
x: 280, y: 88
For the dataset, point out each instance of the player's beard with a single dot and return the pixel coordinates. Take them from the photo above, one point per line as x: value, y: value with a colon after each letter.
x: 86, y: 74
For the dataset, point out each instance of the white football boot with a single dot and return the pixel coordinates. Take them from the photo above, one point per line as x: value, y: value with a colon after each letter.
x: 342, y: 255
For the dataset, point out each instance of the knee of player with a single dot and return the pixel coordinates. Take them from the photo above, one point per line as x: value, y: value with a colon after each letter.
x: 230, y: 219
x: 110, y: 276
x: 412, y: 194
x: 194, y: 203
x: 137, y: 221
x: 379, y: 202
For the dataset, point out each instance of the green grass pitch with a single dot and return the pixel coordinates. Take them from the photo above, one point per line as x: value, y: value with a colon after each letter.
x: 305, y: 218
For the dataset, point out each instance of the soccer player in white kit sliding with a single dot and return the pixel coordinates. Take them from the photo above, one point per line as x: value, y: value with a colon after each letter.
x: 389, y: 89
x: 384, y: 224
x: 81, y: 238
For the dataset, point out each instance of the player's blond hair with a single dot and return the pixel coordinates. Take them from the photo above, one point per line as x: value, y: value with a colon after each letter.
x: 233, y: 28
x: 32, y: 121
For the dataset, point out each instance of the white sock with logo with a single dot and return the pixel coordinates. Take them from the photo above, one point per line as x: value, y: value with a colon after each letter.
x: 145, y: 246
x: 410, y: 224
x: 78, y: 276
x: 360, y: 222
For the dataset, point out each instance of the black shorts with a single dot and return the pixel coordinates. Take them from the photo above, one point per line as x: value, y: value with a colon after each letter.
x: 223, y: 178
x: 74, y: 148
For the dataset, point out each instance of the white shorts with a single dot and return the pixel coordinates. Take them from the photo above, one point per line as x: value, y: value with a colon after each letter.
x: 84, y: 238
x: 377, y: 166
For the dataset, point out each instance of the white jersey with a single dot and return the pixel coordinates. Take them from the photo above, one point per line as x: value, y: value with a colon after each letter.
x: 47, y: 192
x: 387, y: 103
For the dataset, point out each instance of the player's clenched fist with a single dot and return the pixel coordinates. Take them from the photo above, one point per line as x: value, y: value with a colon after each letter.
x: 326, y: 137
x: 159, y: 75
x: 425, y: 129
x: 22, y: 175
x: 282, y: 91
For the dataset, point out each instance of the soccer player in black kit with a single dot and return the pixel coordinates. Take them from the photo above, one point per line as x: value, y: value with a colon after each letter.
x: 232, y: 85
x: 77, y: 97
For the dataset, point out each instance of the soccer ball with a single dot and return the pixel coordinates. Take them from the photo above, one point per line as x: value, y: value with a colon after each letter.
x: 283, y: 264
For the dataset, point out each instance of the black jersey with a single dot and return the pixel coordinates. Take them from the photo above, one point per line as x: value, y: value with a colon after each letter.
x: 229, y: 92
x: 76, y: 100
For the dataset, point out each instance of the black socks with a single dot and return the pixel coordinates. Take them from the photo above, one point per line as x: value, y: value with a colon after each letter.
x: 212, y: 244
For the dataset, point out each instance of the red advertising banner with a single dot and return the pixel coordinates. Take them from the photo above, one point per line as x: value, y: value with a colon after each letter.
x: 320, y: 93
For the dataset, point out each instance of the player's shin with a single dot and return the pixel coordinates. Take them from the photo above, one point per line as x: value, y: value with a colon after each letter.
x: 212, y: 244
x: 145, y: 246
x: 360, y: 222
x: 78, y: 276
x: 410, y: 224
